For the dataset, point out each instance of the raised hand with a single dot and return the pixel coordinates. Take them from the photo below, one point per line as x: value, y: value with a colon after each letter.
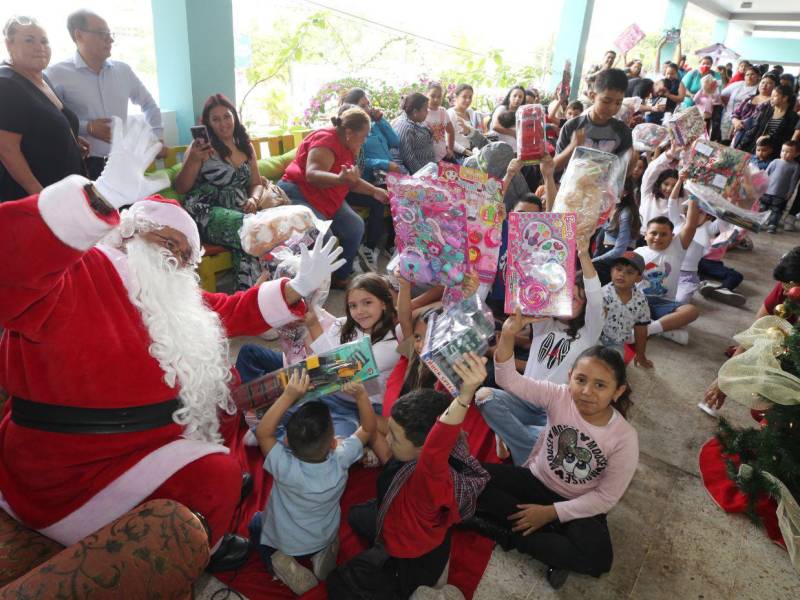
x: 316, y: 266
x: 298, y: 385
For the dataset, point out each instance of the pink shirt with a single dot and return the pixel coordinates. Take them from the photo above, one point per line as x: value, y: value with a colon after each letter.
x: 589, y: 465
x: 706, y: 102
x: 437, y: 121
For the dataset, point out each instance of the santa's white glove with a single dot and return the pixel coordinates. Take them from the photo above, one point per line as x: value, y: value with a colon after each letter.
x: 133, y: 148
x: 316, y: 266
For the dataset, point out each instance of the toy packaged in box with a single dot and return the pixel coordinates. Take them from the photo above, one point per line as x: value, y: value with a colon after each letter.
x: 590, y: 186
x: 329, y: 372
x: 540, y: 268
x: 648, y: 136
x: 687, y: 126
x: 531, y: 146
x: 720, y: 167
x: 466, y: 327
x: 710, y: 201
x: 430, y: 224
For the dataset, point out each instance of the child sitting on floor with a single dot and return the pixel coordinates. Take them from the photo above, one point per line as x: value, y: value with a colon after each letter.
x: 431, y: 483
x: 625, y: 307
x: 663, y: 256
x: 576, y: 473
x: 302, y: 515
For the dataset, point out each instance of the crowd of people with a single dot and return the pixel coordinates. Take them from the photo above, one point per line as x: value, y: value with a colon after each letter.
x: 83, y: 276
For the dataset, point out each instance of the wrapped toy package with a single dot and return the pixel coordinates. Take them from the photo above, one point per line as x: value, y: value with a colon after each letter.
x: 720, y: 167
x: 267, y: 229
x: 540, y: 272
x: 629, y: 108
x: 329, y: 372
x: 466, y: 327
x: 710, y: 201
x: 590, y: 186
x: 648, y: 136
x: 687, y: 126
x: 430, y: 224
x: 531, y: 146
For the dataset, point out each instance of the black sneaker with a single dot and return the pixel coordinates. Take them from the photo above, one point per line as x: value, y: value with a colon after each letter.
x: 556, y: 577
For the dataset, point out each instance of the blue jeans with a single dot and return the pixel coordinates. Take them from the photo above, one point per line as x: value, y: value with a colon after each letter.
x: 374, y: 225
x: 254, y: 361
x: 346, y: 225
x: 729, y: 278
x: 518, y: 423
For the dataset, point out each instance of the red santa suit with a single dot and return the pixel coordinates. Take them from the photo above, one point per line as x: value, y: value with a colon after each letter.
x: 73, y: 338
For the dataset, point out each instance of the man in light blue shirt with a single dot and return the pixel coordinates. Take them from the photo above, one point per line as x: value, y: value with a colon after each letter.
x: 96, y: 88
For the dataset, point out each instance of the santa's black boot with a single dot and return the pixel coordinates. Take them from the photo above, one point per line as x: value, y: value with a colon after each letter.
x: 231, y: 554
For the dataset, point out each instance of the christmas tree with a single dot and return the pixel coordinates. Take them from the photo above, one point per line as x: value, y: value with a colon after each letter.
x: 766, y: 377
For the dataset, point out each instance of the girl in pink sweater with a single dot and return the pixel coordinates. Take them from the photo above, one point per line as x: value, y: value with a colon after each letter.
x: 554, y: 506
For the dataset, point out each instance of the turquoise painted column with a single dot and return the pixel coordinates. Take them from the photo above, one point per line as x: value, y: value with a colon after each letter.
x: 194, y: 56
x: 576, y: 19
x: 673, y: 18
x: 720, y: 31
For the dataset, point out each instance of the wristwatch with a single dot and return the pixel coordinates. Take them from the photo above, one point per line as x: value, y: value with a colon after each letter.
x: 96, y: 201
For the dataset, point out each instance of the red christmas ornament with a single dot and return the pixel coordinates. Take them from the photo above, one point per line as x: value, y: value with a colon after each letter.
x: 794, y: 294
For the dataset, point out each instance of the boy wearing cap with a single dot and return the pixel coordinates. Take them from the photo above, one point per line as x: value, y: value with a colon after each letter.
x: 626, y: 308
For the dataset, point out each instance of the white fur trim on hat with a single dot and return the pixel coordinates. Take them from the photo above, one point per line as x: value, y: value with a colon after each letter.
x: 66, y: 211
x: 166, y: 213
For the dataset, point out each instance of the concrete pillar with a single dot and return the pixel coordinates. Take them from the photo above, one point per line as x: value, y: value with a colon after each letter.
x: 576, y: 19
x: 673, y: 18
x: 194, y: 56
x: 720, y: 31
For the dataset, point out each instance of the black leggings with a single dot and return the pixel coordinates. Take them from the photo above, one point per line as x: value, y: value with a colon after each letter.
x: 581, y: 545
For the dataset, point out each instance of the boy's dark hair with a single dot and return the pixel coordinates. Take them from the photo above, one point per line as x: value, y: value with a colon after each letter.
x: 788, y: 267
x: 661, y: 220
x: 531, y: 198
x: 309, y: 432
x: 613, y: 80
x: 795, y: 145
x: 575, y: 105
x: 417, y: 411
x: 765, y: 141
x: 614, y: 361
x: 507, y: 118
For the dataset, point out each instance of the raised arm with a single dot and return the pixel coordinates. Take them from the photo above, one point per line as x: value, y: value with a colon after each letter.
x: 692, y: 217
x: 296, y: 388
x: 366, y: 414
x: 404, y: 308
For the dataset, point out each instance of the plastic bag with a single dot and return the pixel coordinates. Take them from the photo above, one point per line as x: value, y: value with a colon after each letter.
x: 590, y: 187
x: 329, y: 372
x: 430, y: 224
x: 720, y: 167
x: 429, y: 171
x: 466, y: 327
x: 540, y: 272
x: 687, y: 126
x: 267, y: 229
x: 711, y: 202
x: 530, y: 127
x: 630, y: 106
x: 648, y: 136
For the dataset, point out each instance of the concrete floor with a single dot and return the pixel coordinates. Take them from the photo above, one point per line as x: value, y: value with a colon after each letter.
x: 670, y: 539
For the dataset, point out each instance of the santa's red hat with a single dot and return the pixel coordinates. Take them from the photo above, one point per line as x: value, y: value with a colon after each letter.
x: 165, y: 212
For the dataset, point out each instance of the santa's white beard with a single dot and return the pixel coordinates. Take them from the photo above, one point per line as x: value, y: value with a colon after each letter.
x: 188, y: 339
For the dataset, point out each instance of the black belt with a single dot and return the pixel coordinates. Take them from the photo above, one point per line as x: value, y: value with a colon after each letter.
x: 73, y: 419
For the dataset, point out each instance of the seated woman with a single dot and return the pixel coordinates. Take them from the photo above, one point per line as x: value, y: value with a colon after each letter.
x: 513, y: 100
x: 221, y: 182
x: 466, y: 122
x: 324, y: 171
x: 416, y: 140
x: 38, y: 143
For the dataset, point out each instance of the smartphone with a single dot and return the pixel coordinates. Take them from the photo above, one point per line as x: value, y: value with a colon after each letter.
x: 200, y: 134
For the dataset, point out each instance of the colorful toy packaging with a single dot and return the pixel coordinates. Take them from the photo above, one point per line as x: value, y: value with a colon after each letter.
x: 710, y: 201
x: 466, y: 327
x: 590, y: 187
x: 626, y: 40
x: 531, y: 146
x: 267, y: 229
x: 687, y: 126
x: 430, y: 224
x: 648, y: 136
x: 540, y: 272
x: 329, y: 372
x: 720, y: 167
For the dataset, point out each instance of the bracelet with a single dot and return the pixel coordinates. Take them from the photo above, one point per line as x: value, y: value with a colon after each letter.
x: 461, y: 405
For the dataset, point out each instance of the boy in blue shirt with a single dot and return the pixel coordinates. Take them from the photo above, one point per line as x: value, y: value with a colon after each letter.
x: 302, y: 515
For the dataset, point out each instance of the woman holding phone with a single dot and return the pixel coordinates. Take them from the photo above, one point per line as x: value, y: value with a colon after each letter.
x: 221, y: 181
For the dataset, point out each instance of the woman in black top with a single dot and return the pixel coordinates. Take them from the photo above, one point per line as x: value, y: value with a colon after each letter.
x: 776, y: 122
x: 38, y: 134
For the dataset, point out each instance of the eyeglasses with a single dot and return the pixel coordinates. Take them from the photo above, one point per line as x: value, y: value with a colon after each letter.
x: 103, y: 33
x: 173, y: 247
x: 14, y: 22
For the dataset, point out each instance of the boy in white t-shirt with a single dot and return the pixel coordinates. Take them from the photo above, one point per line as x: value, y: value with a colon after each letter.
x: 663, y: 257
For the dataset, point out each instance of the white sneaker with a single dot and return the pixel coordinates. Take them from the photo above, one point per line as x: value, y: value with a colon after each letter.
x: 679, y: 336
x: 296, y: 577
x: 270, y: 335
x: 788, y: 222
x: 324, y: 561
x: 446, y: 592
x: 725, y: 296
x: 370, y: 257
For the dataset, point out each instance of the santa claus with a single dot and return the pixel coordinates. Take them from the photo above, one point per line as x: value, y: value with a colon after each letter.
x: 115, y: 361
